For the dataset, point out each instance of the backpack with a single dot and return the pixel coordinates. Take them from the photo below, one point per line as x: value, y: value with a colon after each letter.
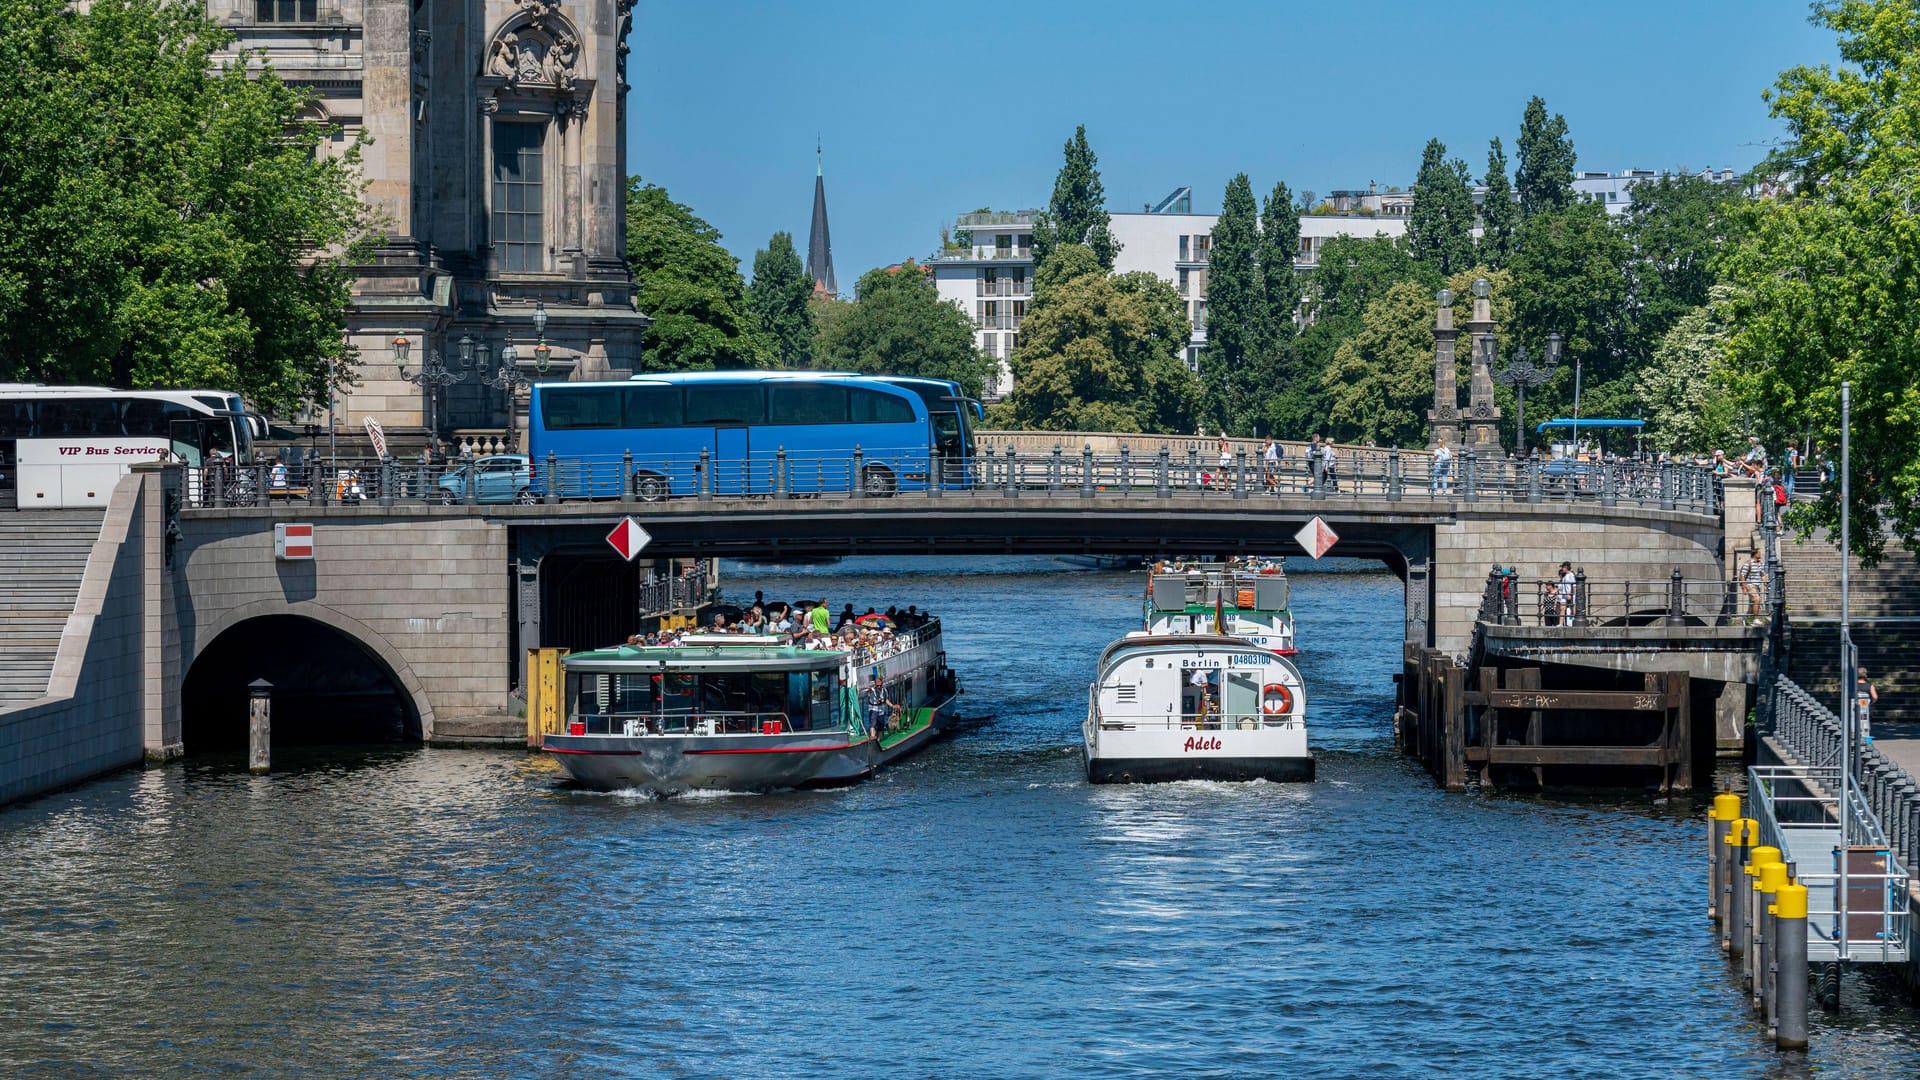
x: 1779, y: 495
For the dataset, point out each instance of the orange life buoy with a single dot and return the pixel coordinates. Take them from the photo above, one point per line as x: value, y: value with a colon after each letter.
x: 1276, y: 699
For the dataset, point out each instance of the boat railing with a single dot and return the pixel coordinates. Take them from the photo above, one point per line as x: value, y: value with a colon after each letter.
x: 901, y: 641
x: 632, y: 725
x: 1255, y: 721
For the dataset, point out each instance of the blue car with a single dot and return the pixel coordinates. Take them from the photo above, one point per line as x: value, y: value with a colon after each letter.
x: 499, y: 478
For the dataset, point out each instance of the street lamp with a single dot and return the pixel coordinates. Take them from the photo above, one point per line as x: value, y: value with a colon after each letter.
x: 509, y: 378
x: 1482, y: 288
x: 432, y: 376
x: 542, y: 353
x: 1523, y: 375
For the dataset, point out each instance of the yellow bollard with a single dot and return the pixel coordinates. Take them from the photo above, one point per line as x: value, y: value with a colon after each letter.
x: 1790, y: 954
x: 1726, y: 810
x: 1748, y: 895
x: 1741, y: 836
x: 1769, y: 876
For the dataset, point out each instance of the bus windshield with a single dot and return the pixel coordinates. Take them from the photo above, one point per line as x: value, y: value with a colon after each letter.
x: 745, y: 433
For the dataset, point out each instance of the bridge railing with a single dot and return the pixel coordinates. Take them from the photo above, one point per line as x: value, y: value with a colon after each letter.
x: 880, y: 472
x: 1511, y: 600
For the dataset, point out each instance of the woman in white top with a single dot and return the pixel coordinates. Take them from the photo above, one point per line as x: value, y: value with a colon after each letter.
x: 1442, y: 469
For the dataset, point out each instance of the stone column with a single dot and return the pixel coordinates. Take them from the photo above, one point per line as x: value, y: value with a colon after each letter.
x: 1443, y: 420
x: 1483, y: 419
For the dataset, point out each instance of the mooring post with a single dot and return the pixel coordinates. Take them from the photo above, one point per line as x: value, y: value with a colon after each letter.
x: 1739, y: 840
x: 1086, y: 471
x: 1750, y: 889
x: 1772, y: 876
x: 1726, y: 808
x: 260, y: 726
x: 1790, y: 960
x: 1162, y: 482
x: 1394, y: 483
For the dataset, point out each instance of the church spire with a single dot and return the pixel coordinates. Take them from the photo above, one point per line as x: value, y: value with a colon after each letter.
x: 819, y: 243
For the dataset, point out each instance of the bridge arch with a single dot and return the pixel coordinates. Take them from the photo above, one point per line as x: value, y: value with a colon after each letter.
x: 335, y: 679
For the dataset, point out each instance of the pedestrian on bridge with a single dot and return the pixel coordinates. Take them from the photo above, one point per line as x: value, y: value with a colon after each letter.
x: 1442, y: 469
x: 1270, y: 465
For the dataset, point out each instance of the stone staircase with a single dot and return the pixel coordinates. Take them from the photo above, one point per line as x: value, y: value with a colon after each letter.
x: 1885, y: 608
x: 43, y: 555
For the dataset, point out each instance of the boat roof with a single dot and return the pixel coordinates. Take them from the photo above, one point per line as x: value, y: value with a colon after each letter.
x: 1200, y: 643
x: 752, y: 656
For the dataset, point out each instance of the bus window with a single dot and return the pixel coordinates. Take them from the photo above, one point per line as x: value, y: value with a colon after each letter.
x: 875, y: 407
x: 948, y: 435
x: 722, y: 405
x: 19, y: 419
x: 651, y: 407
x: 806, y: 403
x: 566, y: 408
x: 80, y: 416
x: 148, y: 417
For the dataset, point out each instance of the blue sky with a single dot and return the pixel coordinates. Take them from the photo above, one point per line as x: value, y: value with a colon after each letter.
x: 929, y: 110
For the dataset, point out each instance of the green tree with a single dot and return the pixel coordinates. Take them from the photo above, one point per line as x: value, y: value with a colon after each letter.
x: 1675, y: 228
x: 1238, y: 322
x: 1440, y: 225
x: 1497, y: 210
x: 1687, y: 389
x: 166, y: 220
x: 1352, y: 270
x: 1077, y: 213
x: 1279, y: 245
x: 1544, y: 179
x: 1827, y: 278
x: 780, y: 295
x: 690, y: 287
x: 1570, y: 273
x: 1100, y: 352
x: 898, y: 325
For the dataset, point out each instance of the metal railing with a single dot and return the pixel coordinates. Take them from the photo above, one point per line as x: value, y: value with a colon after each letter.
x: 1799, y: 810
x: 1510, y: 600
x: 1254, y: 721
x: 1811, y: 733
x: 998, y: 471
x: 902, y: 641
x: 662, y: 593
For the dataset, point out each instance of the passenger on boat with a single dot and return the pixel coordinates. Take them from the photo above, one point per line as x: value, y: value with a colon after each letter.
x: 818, y: 619
x: 846, y: 615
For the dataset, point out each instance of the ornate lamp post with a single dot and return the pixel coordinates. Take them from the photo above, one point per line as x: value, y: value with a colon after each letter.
x: 542, y: 352
x: 1522, y: 375
x: 512, y: 380
x: 433, y: 376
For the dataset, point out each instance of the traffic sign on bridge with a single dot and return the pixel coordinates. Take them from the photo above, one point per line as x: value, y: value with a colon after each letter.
x: 628, y: 538
x: 1316, y: 537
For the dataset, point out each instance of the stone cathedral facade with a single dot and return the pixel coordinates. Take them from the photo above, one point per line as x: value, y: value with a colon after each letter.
x: 497, y: 167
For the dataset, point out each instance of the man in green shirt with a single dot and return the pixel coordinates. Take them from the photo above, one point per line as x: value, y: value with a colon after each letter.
x: 817, y: 618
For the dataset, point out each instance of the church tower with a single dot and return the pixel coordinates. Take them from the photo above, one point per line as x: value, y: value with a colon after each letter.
x: 497, y: 171
x: 819, y: 243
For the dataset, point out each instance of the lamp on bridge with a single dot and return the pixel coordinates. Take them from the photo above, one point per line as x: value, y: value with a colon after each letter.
x: 507, y: 377
x: 1523, y: 375
x: 433, y: 374
x: 542, y: 352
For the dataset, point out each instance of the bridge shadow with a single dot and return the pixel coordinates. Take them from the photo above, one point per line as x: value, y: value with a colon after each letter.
x: 327, y: 688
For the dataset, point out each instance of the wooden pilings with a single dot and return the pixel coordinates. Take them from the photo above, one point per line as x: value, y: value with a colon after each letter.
x: 1511, y: 727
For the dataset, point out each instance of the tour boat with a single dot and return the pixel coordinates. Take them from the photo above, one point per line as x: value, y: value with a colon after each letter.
x: 1244, y: 601
x: 1195, y: 707
x: 726, y: 712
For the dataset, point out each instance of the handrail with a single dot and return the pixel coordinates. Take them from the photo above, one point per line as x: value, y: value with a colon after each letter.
x: 1511, y: 600
x: 1822, y: 803
x: 1253, y: 721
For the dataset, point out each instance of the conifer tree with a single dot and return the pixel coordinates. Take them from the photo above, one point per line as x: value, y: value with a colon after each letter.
x: 1279, y: 244
x: 1440, y: 226
x: 1077, y: 213
x: 1237, y: 321
x: 1544, y: 178
x: 1497, y: 210
x: 778, y: 295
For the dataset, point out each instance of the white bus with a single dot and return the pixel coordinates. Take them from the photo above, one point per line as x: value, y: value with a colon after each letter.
x: 66, y: 446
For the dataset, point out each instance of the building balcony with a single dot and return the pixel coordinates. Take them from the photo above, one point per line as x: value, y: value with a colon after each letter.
x: 1007, y: 287
x: 997, y: 219
x: 978, y: 255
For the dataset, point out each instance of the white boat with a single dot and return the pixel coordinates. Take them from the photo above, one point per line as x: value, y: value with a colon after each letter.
x: 1195, y: 707
x: 1247, y: 601
x: 728, y: 712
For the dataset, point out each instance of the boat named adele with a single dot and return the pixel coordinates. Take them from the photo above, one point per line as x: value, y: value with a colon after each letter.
x: 1195, y: 707
x: 731, y: 712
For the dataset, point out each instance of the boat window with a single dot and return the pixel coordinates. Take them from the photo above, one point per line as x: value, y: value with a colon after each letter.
x: 1243, y: 694
x: 798, y: 703
x: 633, y: 693
x: 676, y: 692
x: 824, y: 683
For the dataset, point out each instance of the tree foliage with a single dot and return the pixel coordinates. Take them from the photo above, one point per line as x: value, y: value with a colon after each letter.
x: 1279, y: 244
x: 690, y: 287
x: 165, y: 220
x: 898, y: 325
x: 1827, y: 280
x: 779, y: 296
x: 1675, y: 228
x: 1687, y: 388
x: 1238, y: 323
x: 1571, y: 277
x: 1440, y: 225
x: 1353, y: 270
x: 1497, y: 210
x: 1544, y: 179
x: 1077, y: 213
x: 1100, y: 352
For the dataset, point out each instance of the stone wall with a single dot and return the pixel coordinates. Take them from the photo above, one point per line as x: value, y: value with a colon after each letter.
x: 92, y: 719
x: 1535, y: 538
x: 426, y: 593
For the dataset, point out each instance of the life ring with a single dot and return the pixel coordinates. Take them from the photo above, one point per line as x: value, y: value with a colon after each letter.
x: 1275, y: 699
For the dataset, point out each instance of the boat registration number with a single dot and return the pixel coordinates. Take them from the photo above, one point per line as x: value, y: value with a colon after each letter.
x: 1232, y: 660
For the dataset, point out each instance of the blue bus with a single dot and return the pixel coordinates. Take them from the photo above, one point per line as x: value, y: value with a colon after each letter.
x: 751, y: 425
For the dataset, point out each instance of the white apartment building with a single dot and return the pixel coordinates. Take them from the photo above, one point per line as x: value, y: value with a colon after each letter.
x: 990, y: 274
x: 1615, y: 190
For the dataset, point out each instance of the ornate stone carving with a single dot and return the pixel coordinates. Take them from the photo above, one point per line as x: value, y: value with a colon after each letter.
x: 1483, y: 410
x: 620, y: 43
x: 535, y: 54
x: 489, y: 104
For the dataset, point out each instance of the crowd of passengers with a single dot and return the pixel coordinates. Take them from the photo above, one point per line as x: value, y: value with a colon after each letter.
x: 808, y: 624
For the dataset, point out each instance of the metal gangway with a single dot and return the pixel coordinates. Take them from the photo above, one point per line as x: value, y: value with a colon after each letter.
x: 1828, y: 833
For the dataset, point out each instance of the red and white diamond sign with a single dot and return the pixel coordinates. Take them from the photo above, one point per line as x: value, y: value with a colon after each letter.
x: 1316, y: 537
x: 628, y: 538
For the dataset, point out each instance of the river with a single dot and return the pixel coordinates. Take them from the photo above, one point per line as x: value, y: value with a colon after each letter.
x: 975, y: 911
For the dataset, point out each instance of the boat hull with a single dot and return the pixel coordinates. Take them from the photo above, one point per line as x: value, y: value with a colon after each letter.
x: 1164, y: 770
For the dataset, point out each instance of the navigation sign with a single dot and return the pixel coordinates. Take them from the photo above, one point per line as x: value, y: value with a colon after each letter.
x: 628, y: 538
x: 293, y: 541
x: 379, y: 438
x: 1316, y: 537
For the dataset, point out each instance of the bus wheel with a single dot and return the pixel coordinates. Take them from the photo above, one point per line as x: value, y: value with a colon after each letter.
x: 649, y: 487
x: 877, y: 480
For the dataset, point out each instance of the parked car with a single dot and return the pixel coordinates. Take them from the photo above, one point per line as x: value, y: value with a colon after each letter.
x: 499, y: 478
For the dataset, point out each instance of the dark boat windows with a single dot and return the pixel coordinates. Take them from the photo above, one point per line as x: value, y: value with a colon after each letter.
x: 803, y: 699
